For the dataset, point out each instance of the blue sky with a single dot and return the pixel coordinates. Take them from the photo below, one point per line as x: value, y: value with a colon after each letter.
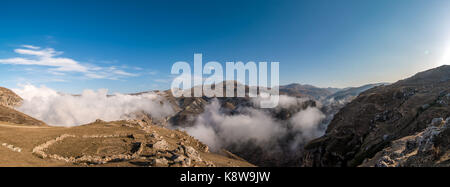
x: 130, y: 46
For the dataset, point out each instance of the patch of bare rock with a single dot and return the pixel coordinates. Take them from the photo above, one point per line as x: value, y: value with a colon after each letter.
x: 12, y: 147
x: 426, y: 148
x: 8, y: 98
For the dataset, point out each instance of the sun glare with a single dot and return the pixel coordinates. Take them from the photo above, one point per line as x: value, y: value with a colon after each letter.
x: 445, y: 60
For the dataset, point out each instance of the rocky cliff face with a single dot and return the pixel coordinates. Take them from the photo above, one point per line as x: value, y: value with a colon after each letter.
x: 380, y: 116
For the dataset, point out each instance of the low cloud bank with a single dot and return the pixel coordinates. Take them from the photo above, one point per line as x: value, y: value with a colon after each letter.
x: 60, y: 109
x: 218, y: 129
x: 284, y: 101
x: 257, y: 127
x: 307, y: 123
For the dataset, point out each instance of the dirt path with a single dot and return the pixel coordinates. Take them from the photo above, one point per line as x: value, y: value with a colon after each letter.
x: 2, y: 124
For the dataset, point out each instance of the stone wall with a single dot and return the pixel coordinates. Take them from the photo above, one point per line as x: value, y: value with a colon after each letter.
x: 12, y: 147
x: 86, y: 159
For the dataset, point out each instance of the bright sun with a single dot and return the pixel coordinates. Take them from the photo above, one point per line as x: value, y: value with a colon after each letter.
x: 445, y: 60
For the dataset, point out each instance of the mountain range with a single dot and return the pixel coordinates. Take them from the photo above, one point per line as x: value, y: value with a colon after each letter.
x: 399, y: 124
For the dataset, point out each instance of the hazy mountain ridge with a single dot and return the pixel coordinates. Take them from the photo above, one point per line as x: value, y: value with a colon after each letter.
x: 299, y: 90
x: 352, y: 91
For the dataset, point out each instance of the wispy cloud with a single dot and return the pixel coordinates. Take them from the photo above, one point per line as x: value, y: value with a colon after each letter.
x: 31, y: 47
x: 48, y: 57
x: 163, y: 80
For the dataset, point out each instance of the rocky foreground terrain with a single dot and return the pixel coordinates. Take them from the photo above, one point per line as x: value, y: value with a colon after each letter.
x: 25, y: 141
x: 402, y: 124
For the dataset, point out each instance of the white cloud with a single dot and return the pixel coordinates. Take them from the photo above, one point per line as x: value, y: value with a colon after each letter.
x: 48, y: 57
x: 95, y: 76
x: 121, y: 72
x: 60, y: 109
x: 49, y: 52
x: 163, y: 80
x: 284, y: 101
x: 31, y: 47
x: 219, y: 130
x: 307, y: 121
x: 56, y: 73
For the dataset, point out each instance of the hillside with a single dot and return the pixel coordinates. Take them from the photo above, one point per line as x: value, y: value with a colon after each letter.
x: 380, y: 117
x: 10, y: 115
x: 8, y: 100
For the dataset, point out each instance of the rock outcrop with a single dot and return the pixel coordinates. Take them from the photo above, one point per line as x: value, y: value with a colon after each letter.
x: 9, y: 98
x: 12, y: 147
